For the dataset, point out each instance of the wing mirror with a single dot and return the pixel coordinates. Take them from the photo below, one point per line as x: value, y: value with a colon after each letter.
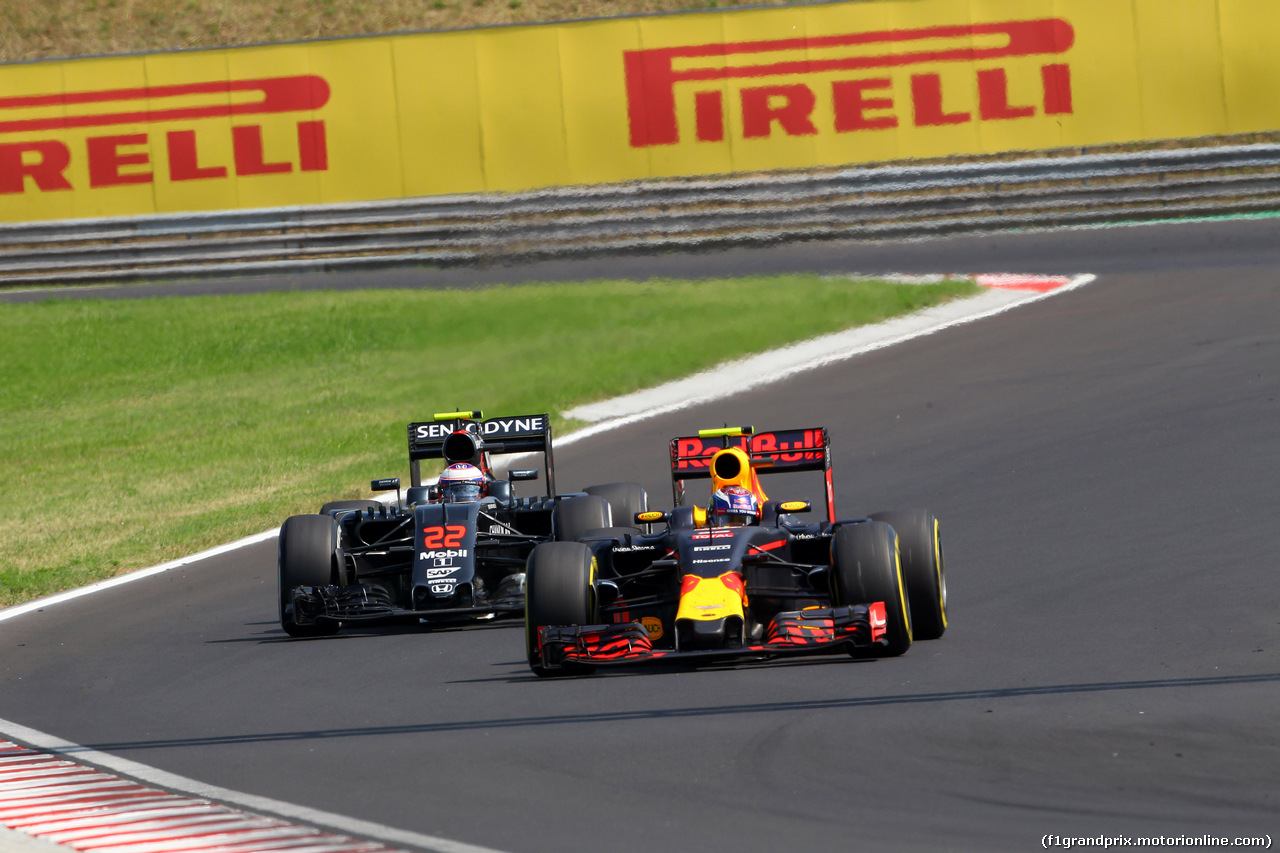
x: 385, y: 485
x: 607, y: 592
x: 652, y: 516
x: 522, y: 474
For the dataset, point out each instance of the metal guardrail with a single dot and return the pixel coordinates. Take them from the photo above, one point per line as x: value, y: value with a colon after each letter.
x: 869, y: 203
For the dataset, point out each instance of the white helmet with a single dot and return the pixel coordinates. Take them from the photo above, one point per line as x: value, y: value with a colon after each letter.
x: 462, y: 482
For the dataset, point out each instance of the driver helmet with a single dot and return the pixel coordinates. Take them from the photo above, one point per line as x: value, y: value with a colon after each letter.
x: 733, y: 506
x: 462, y: 482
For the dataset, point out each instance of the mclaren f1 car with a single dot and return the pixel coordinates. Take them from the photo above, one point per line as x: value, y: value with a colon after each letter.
x: 756, y: 582
x: 432, y: 557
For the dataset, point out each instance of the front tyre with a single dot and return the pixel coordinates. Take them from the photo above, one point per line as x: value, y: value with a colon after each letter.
x: 920, y: 544
x: 308, y: 544
x: 867, y: 569
x: 559, y: 590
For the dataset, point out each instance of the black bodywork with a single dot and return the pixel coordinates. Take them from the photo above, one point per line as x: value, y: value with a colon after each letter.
x: 420, y: 559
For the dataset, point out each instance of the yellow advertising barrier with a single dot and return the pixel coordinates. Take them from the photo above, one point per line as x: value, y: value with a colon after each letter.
x: 604, y: 101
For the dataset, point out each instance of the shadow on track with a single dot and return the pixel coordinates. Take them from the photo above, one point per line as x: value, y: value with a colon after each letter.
x: 275, y: 634
x: 678, y: 713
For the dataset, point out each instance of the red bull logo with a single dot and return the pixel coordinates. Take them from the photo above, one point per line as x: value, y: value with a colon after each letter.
x: 695, y: 453
x: 655, y: 76
x: 115, y: 159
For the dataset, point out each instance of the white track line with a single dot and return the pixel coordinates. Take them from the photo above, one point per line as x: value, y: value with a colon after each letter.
x: 50, y: 600
x: 1004, y: 291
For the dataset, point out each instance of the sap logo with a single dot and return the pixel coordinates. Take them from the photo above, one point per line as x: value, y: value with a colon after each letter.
x: 433, y: 574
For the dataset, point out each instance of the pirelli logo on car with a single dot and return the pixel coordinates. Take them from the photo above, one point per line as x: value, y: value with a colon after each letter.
x: 853, y: 73
x: 128, y: 126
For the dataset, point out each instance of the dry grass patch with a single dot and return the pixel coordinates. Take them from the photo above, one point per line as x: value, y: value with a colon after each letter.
x: 39, y: 29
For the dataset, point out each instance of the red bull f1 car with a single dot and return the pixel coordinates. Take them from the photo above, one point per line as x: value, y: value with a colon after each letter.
x: 433, y: 558
x: 694, y: 589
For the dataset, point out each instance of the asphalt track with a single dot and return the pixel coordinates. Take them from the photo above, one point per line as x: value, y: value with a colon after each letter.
x: 1105, y: 466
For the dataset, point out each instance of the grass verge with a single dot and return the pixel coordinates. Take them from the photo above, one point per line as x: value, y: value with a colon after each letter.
x: 138, y: 431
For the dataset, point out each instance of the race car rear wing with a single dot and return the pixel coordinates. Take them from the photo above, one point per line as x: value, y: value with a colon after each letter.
x: 774, y: 452
x: 468, y: 437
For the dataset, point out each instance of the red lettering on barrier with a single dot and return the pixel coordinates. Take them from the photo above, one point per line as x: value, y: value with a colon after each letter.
x: 46, y: 173
x: 926, y: 98
x: 278, y: 95
x: 651, y: 75
x: 246, y: 144
x: 1057, y: 89
x: 789, y: 106
x: 993, y: 97
x: 708, y: 108
x: 183, y: 160
x: 851, y: 104
x: 313, y: 150
x: 106, y: 160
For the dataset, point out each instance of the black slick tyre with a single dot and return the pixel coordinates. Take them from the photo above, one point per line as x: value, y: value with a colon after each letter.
x: 307, y: 547
x: 920, y: 544
x: 625, y: 500
x: 867, y: 569
x: 559, y: 591
x: 573, y: 517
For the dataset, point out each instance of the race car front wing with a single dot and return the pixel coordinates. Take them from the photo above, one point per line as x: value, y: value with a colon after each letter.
x: 371, y: 603
x: 792, y: 632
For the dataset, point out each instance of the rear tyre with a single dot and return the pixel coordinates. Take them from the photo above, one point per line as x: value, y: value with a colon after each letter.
x: 308, y: 544
x: 361, y: 505
x: 625, y: 500
x: 558, y: 591
x: 867, y: 569
x: 573, y: 517
x: 920, y: 544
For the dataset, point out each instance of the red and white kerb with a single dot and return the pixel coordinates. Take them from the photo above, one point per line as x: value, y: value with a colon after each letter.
x: 1014, y: 281
x: 82, y: 808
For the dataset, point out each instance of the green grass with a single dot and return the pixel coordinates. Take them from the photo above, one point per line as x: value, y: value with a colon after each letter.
x: 137, y: 431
